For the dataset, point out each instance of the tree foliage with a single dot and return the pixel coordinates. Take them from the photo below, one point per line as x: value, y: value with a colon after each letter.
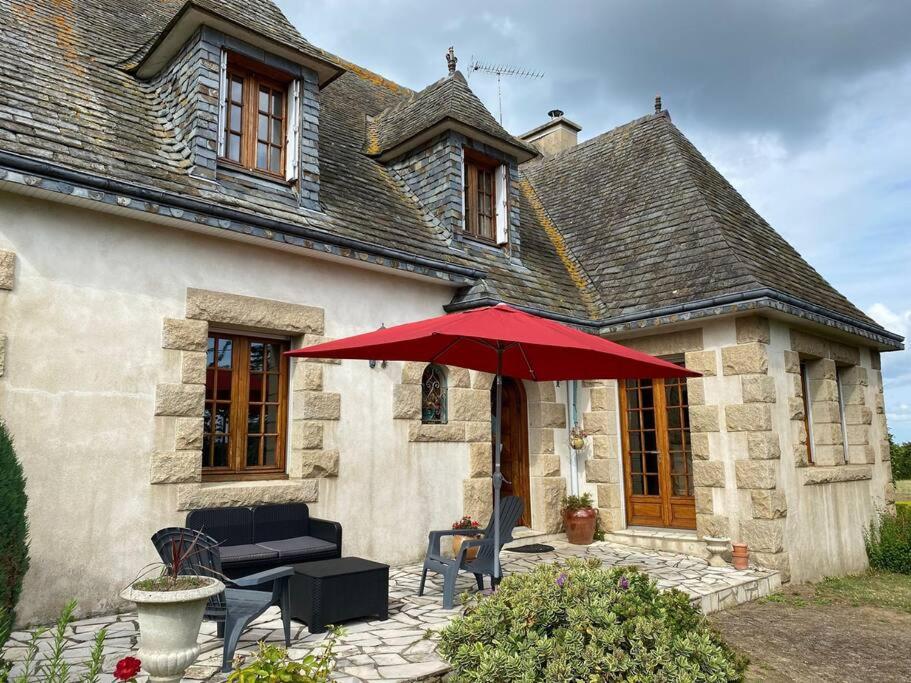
x: 13, y: 533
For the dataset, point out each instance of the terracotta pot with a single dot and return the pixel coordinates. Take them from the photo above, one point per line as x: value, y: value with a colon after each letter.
x: 741, y: 555
x: 470, y: 553
x: 580, y: 525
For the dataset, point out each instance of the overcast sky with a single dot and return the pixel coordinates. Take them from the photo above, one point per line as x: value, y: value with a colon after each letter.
x: 805, y: 105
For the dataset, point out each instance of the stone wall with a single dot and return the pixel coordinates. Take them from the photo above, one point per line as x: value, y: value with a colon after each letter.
x: 546, y: 427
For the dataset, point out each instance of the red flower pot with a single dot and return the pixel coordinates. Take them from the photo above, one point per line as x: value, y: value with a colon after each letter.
x: 740, y: 554
x: 580, y: 525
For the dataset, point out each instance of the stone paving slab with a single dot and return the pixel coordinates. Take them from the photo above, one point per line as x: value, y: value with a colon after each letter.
x: 402, y: 648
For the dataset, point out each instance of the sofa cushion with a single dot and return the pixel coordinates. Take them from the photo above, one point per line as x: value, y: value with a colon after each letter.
x: 274, y: 522
x: 228, y: 526
x: 301, y: 548
x: 247, y: 552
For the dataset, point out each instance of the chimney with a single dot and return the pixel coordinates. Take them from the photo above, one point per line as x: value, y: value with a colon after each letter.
x: 554, y: 136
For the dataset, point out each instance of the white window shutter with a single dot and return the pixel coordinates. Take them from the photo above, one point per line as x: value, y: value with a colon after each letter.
x: 502, y: 204
x: 222, y: 101
x: 292, y: 132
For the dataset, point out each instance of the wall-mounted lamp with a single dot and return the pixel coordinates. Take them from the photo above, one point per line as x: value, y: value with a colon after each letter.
x: 382, y: 362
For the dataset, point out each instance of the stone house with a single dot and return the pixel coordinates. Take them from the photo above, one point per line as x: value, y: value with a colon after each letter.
x: 189, y: 188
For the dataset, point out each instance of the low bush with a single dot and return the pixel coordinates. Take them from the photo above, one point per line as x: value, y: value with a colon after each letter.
x: 13, y: 534
x: 581, y: 622
x: 888, y: 541
x: 272, y: 664
x: 900, y: 454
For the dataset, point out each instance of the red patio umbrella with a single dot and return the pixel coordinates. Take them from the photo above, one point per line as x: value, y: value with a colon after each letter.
x: 508, y: 342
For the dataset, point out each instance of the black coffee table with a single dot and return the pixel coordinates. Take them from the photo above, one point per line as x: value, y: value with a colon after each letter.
x: 333, y: 591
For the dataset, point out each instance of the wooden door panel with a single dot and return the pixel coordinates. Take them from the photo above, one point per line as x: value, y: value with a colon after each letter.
x: 514, y: 454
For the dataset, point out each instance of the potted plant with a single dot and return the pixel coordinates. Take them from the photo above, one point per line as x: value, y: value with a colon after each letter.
x: 577, y: 437
x: 579, y: 519
x: 470, y: 527
x: 171, y: 608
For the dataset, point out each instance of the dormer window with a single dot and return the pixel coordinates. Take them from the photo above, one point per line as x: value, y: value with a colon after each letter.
x: 485, y: 198
x: 259, y: 107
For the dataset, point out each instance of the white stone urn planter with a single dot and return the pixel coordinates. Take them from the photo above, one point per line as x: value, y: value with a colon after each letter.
x: 169, y: 624
x: 716, y: 547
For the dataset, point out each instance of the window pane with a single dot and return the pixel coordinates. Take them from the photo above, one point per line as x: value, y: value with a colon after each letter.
x: 273, y: 357
x: 680, y: 486
x: 651, y: 485
x: 206, y: 449
x: 224, y: 353
x: 275, y: 160
x: 234, y: 118
x: 651, y: 462
x: 264, y: 100
x: 234, y: 147
x: 221, y: 452
x: 650, y: 441
x: 271, y: 420
x: 648, y: 419
x: 635, y: 441
x: 257, y: 349
x: 277, y: 100
x: 223, y: 392
x: 263, y: 129
x: 206, y: 420
x: 222, y: 418
x: 261, y: 153
x: 253, y: 451
x: 638, y: 485
x: 253, y: 420
x: 678, y: 462
x: 237, y: 90
x: 635, y: 462
x: 673, y: 418
x: 269, y: 450
x: 673, y: 395
x: 675, y: 438
x: 210, y: 352
x: 633, y: 419
x: 276, y: 130
x: 272, y: 383
x: 256, y: 388
x: 632, y: 397
x: 210, y: 384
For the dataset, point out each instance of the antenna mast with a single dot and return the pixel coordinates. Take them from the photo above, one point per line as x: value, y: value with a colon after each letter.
x: 500, y: 70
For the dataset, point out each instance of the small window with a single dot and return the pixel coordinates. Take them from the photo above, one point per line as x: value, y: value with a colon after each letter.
x: 433, y: 395
x: 485, y: 198
x: 807, y: 415
x: 244, y: 421
x: 841, y: 409
x: 255, y: 110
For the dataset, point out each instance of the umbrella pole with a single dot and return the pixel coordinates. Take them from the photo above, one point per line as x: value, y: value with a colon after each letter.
x: 497, y: 476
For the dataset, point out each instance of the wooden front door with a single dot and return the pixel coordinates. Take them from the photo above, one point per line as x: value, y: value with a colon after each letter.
x: 514, y: 434
x: 657, y: 460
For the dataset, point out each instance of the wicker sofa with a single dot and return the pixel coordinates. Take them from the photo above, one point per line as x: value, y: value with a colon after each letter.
x: 252, y: 539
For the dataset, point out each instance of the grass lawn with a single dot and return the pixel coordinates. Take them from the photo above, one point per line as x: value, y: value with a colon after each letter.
x: 846, y: 629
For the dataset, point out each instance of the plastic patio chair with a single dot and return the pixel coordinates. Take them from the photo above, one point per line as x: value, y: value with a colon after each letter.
x: 511, y: 509
x: 238, y: 605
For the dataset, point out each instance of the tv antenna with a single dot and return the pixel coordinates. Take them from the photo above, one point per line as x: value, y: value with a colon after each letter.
x: 500, y: 70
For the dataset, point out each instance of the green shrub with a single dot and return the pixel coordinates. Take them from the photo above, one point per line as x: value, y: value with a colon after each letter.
x: 272, y: 664
x: 900, y: 455
x: 13, y: 534
x: 888, y: 541
x: 581, y: 622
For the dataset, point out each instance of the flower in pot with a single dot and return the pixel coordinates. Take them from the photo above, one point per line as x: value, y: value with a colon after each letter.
x: 471, y: 528
x: 127, y: 669
x: 170, y: 608
x: 579, y: 519
x: 577, y: 437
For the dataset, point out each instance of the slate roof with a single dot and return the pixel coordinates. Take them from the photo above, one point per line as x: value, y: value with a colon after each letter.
x: 628, y: 222
x: 448, y: 98
x: 655, y: 224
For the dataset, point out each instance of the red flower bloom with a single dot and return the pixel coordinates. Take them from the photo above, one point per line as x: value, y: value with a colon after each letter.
x: 127, y: 668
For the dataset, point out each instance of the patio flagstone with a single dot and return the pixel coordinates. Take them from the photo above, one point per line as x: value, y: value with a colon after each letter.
x: 403, y: 648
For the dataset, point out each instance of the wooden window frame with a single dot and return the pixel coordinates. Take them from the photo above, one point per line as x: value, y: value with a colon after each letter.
x: 476, y: 162
x: 675, y: 511
x: 237, y: 468
x: 807, y: 415
x: 255, y: 75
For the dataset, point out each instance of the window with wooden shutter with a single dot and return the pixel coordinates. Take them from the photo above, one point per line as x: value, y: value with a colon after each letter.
x: 255, y: 115
x: 481, y: 193
x: 246, y: 406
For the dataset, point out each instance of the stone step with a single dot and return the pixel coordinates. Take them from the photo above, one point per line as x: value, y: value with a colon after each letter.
x: 669, y: 540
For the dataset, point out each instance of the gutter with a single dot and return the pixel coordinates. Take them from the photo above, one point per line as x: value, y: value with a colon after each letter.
x: 59, y: 173
x: 605, y: 325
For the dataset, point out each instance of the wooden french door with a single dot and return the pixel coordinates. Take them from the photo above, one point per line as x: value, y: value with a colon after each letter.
x: 514, y: 434
x: 657, y: 460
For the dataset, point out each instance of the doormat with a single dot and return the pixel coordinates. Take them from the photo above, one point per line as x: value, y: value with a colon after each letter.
x: 531, y: 548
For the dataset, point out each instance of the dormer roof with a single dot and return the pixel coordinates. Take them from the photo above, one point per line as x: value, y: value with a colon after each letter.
x: 255, y: 22
x: 448, y: 104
